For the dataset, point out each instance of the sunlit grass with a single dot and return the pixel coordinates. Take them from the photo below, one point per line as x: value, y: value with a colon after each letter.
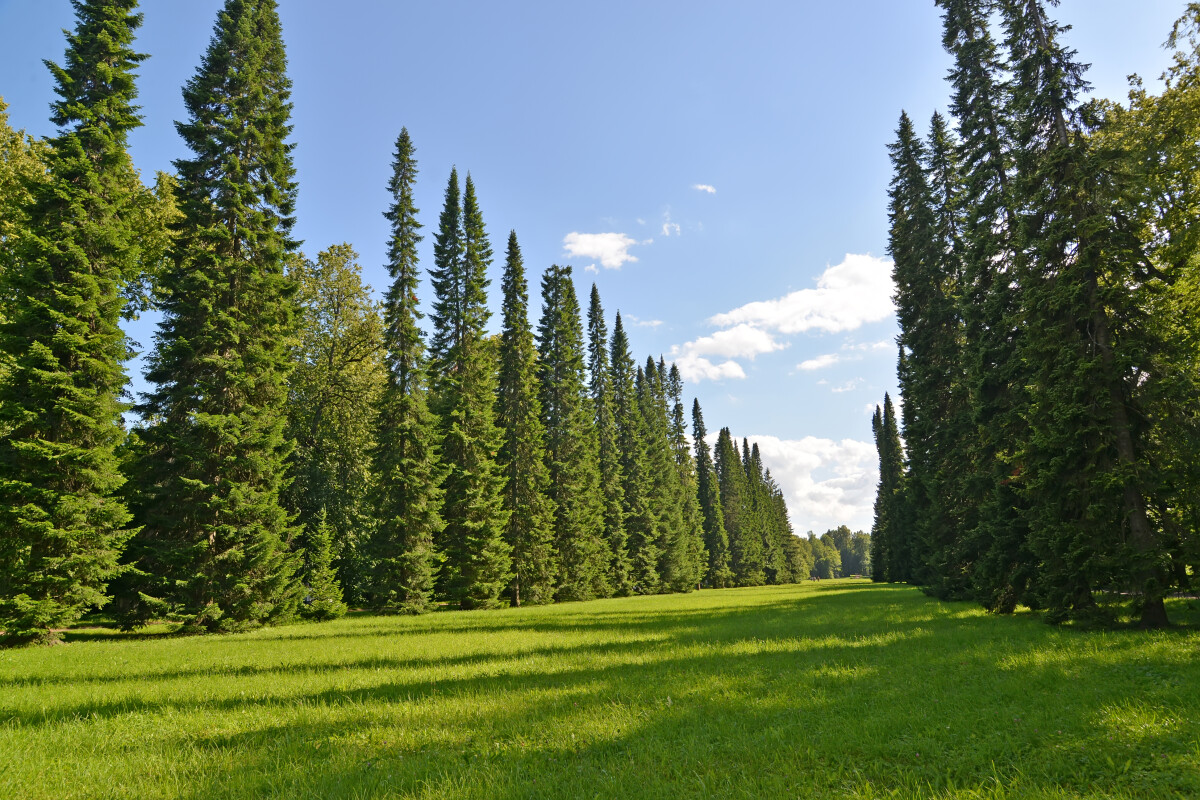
x: 837, y: 689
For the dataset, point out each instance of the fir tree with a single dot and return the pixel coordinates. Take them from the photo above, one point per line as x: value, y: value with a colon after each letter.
x: 611, y: 480
x: 675, y: 568
x: 522, y: 456
x: 716, y: 539
x: 62, y: 345
x: 215, y: 537
x: 1086, y: 480
x: 745, y: 546
x: 323, y: 593
x: 889, y: 529
x: 463, y: 377
x: 640, y: 524
x: 408, y: 496
x: 696, y: 552
x: 571, y: 448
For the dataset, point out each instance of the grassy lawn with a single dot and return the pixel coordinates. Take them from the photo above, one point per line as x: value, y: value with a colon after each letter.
x: 836, y: 689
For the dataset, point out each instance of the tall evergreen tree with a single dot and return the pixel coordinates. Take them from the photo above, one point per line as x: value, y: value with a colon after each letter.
x: 611, y: 480
x: 696, y: 553
x: 641, y: 525
x: 522, y: 456
x: 716, y: 540
x: 408, y: 495
x: 1085, y: 475
x: 478, y: 564
x: 992, y: 527
x: 889, y: 554
x: 60, y: 410
x: 675, y: 568
x: 879, y: 558
x: 214, y: 542
x: 571, y: 447
x: 745, y: 546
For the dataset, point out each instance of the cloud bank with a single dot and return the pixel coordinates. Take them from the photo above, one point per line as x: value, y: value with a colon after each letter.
x: 826, y: 483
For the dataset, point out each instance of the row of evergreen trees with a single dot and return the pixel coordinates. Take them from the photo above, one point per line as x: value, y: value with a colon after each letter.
x: 303, y: 446
x: 1046, y: 281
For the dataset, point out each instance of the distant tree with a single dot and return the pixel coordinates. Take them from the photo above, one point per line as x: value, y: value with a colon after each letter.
x: 745, y: 543
x: 407, y: 495
x: 611, y: 478
x: 571, y: 448
x: 478, y: 566
x: 827, y: 559
x: 332, y: 393
x: 718, y: 573
x: 214, y: 542
x: 522, y: 456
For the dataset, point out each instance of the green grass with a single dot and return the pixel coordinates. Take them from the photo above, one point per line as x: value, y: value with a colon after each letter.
x: 836, y: 689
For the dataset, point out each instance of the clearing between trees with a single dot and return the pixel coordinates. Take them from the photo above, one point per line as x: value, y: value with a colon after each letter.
x: 830, y: 689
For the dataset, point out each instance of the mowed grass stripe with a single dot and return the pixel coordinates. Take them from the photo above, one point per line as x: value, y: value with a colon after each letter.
x: 836, y: 689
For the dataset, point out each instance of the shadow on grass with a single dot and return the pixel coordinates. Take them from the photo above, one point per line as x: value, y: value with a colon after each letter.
x: 851, y: 687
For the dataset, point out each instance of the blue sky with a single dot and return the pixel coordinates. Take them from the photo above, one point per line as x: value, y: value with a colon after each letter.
x: 719, y: 170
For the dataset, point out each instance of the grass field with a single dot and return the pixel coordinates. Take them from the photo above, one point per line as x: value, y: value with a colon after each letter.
x: 836, y: 689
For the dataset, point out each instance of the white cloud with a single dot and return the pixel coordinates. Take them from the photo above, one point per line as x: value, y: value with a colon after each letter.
x: 641, y: 221
x: 820, y: 362
x: 610, y: 249
x: 643, y: 323
x: 886, y: 345
x: 705, y: 187
x: 826, y: 483
x: 697, y: 368
x: 591, y: 268
x: 848, y: 295
x: 742, y: 341
x: 848, y: 386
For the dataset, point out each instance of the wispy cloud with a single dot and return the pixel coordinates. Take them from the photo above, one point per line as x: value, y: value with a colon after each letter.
x: 848, y: 295
x: 610, y: 249
x: 705, y: 187
x: 848, y: 386
x: 820, y: 362
x: 643, y: 323
x: 591, y: 268
x: 669, y: 227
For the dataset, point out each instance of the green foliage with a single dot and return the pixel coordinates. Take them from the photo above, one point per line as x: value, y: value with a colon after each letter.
x: 890, y: 525
x: 336, y: 384
x: 209, y: 470
x: 716, y: 540
x: 71, y: 239
x: 323, y: 593
x: 641, y: 525
x: 478, y: 561
x: 604, y: 420
x: 827, y: 559
x: 745, y: 543
x: 408, y: 495
x: 571, y: 448
x: 522, y: 458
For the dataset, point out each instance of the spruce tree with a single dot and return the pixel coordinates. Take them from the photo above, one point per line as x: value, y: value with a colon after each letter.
x: 522, y: 456
x: 693, y: 518
x: 60, y: 409
x: 641, y: 525
x: 745, y: 546
x: 879, y: 524
x: 571, y: 447
x: 675, y: 568
x: 322, y: 591
x: 992, y: 527
x: 478, y: 565
x: 1086, y: 480
x: 716, y: 540
x: 214, y: 544
x: 407, y: 496
x: 611, y: 480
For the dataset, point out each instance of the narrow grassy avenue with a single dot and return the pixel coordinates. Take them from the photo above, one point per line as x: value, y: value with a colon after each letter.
x: 835, y: 689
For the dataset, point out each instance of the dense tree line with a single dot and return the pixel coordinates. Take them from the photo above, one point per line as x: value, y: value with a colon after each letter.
x: 1046, y: 281
x: 304, y: 447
